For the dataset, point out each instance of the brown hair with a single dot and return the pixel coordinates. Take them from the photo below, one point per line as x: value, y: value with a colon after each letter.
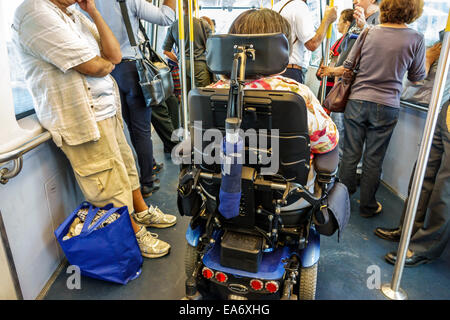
x: 400, y: 11
x: 347, y: 15
x: 258, y: 21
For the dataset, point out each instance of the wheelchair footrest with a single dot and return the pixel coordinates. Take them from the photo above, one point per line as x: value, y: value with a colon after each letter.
x: 241, y: 251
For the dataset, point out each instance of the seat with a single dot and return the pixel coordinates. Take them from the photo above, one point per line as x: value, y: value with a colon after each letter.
x: 283, y: 116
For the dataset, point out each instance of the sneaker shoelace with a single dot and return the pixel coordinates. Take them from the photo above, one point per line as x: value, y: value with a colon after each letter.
x: 151, y: 238
x: 155, y: 212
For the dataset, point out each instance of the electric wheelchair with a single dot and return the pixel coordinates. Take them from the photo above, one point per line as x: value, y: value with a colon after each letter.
x: 266, y: 251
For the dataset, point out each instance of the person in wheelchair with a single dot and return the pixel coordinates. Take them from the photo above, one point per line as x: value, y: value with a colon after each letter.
x: 262, y: 239
x: 322, y: 130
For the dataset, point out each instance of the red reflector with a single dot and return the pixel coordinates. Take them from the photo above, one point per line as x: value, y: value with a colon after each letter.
x: 256, y: 284
x: 272, y: 286
x: 221, y: 277
x: 207, y: 273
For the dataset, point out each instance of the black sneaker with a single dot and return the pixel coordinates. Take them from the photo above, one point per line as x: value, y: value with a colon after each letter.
x: 366, y: 214
x: 147, y: 191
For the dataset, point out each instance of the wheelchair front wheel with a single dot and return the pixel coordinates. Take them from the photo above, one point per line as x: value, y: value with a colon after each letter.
x: 308, y: 281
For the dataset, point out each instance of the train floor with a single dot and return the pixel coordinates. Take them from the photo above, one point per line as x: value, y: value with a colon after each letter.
x: 347, y: 269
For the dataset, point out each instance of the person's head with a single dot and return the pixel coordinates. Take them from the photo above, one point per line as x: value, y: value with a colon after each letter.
x: 345, y: 20
x: 259, y: 21
x: 186, y: 6
x: 365, y: 4
x: 211, y: 22
x: 400, y: 11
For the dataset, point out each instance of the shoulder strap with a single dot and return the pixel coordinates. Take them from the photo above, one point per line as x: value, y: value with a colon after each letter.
x: 126, y: 19
x: 296, y: 39
x: 285, y: 5
x: 363, y: 34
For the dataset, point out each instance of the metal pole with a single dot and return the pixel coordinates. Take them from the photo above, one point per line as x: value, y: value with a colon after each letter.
x: 182, y: 65
x: 191, y: 43
x: 325, y: 59
x: 393, y: 290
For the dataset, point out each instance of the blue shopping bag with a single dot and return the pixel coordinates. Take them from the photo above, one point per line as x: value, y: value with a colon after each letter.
x: 110, y: 253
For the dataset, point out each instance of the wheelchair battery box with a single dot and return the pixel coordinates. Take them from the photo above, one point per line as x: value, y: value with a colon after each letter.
x: 241, y: 251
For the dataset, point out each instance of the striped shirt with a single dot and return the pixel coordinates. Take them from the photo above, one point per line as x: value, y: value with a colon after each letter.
x: 49, y: 48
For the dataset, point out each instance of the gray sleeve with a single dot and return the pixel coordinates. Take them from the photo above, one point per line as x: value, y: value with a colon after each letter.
x: 416, y: 71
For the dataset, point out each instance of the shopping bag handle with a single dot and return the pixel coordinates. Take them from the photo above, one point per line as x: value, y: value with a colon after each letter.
x: 92, y: 211
x: 90, y: 216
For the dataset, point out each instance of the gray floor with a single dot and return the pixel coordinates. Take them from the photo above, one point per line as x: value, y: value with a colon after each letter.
x: 345, y: 267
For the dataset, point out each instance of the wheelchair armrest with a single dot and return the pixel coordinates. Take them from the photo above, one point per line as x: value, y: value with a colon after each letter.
x: 326, y: 165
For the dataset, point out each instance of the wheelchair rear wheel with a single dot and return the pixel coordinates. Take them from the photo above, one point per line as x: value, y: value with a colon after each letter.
x: 190, y: 259
x: 308, y: 281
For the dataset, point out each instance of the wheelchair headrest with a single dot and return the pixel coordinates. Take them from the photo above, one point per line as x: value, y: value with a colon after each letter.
x: 271, y: 53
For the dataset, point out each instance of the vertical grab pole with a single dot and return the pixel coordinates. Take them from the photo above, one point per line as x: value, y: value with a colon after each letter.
x: 325, y: 59
x: 191, y: 43
x: 393, y: 290
x: 271, y: 4
x: 183, y: 69
x: 197, y: 10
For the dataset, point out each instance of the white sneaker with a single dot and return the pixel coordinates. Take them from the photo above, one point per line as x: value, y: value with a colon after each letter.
x: 154, y: 217
x: 150, y: 246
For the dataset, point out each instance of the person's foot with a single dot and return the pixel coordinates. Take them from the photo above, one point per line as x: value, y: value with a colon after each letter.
x: 149, y: 244
x: 147, y: 191
x: 157, y: 167
x: 411, y: 260
x: 367, y: 214
x: 389, y: 234
x: 154, y: 217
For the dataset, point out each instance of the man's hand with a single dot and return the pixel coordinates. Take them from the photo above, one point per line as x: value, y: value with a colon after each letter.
x: 330, y: 14
x: 88, y: 6
x: 324, y: 71
x: 360, y: 17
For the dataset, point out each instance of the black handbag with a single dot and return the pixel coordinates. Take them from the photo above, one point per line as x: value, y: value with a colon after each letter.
x: 154, y: 73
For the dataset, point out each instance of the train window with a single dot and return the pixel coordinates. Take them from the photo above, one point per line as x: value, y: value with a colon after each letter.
x: 433, y: 20
x: 23, y: 103
x: 223, y: 12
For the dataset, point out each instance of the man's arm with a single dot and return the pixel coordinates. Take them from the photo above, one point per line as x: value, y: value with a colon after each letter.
x: 96, y: 67
x: 329, y: 17
x: 432, y: 54
x: 110, y: 47
x: 171, y: 4
x: 163, y: 16
x: 171, y: 56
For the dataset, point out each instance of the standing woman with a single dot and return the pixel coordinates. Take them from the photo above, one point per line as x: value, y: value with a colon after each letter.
x: 373, y: 107
x: 343, y: 25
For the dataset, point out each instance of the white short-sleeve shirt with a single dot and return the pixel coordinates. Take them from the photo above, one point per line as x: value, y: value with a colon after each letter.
x: 302, y: 25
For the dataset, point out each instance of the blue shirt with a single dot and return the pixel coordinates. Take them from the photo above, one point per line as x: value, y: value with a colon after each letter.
x: 137, y: 9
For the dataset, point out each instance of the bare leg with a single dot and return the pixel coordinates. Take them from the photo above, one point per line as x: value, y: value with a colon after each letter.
x: 139, y: 206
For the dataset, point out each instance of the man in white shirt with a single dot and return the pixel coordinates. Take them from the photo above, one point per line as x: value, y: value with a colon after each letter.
x: 304, y: 37
x: 67, y: 61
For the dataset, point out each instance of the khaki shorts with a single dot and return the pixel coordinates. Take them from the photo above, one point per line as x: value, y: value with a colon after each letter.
x: 105, y: 169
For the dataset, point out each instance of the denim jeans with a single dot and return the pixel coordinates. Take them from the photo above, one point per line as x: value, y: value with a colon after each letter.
x: 137, y: 117
x: 296, y: 74
x: 373, y: 124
